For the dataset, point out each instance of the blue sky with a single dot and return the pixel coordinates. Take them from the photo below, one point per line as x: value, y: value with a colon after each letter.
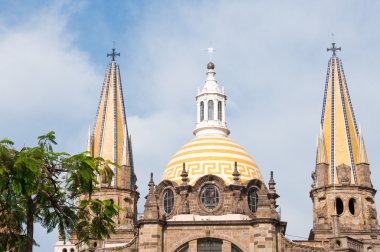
x: 271, y: 58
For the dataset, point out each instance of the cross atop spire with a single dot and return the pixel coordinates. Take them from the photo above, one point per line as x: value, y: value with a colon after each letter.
x: 334, y: 49
x: 210, y: 51
x: 113, y: 54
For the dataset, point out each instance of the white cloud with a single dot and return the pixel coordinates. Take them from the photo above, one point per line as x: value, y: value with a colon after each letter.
x: 47, y: 84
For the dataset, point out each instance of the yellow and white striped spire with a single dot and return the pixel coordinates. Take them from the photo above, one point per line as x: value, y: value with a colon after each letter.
x: 110, y: 139
x: 340, y: 134
x: 211, y: 151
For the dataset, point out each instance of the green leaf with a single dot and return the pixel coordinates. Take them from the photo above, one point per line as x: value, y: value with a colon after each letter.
x: 6, y: 141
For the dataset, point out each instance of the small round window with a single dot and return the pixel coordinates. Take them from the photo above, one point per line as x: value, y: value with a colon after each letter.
x: 168, y: 201
x: 253, y: 199
x: 210, y: 197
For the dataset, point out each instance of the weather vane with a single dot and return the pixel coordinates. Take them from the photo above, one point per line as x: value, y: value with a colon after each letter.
x: 334, y: 49
x: 210, y: 51
x: 113, y: 54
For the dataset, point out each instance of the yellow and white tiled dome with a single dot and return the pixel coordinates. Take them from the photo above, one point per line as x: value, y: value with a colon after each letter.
x: 211, y: 154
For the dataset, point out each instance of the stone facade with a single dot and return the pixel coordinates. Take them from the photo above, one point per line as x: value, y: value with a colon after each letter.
x: 344, y: 215
x: 231, y: 222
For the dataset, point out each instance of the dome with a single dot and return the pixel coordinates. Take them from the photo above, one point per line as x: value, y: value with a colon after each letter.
x: 211, y: 154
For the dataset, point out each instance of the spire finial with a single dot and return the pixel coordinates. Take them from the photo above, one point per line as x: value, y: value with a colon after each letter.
x: 334, y: 49
x: 184, y: 174
x: 236, y: 174
x: 272, y: 183
x: 113, y: 54
x: 151, y: 182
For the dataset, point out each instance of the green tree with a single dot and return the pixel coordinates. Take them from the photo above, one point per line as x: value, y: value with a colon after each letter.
x: 39, y: 185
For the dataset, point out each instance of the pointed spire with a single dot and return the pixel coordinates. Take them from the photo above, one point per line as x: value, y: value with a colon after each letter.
x: 151, y: 205
x: 184, y: 175
x: 110, y: 137
x: 236, y: 175
x: 272, y: 191
x: 151, y: 183
x: 340, y: 133
x: 362, y: 154
x: 321, y: 149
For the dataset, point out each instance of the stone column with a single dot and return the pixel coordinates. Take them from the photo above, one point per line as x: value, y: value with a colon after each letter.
x: 335, y: 225
x: 150, y: 239
x: 223, y: 111
x: 215, y: 109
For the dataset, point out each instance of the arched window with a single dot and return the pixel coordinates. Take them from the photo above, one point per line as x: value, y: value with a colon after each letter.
x: 168, y: 201
x: 209, y: 245
x: 72, y: 250
x: 351, y: 206
x: 210, y: 110
x: 202, y: 111
x: 64, y: 250
x: 339, y: 206
x: 253, y: 199
x: 219, y: 110
x: 210, y: 196
x: 183, y: 248
x: 235, y: 248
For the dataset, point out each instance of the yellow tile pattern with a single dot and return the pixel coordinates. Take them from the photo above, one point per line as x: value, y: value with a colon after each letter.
x: 211, y: 154
x: 341, y: 137
x: 109, y: 131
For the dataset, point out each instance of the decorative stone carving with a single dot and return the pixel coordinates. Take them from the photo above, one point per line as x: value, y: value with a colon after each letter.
x: 322, y: 211
x: 344, y: 174
x: 365, y: 174
x: 238, y: 206
x: 372, y: 212
x: 314, y: 178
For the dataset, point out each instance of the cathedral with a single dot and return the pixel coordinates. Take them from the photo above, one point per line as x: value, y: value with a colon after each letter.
x: 212, y: 196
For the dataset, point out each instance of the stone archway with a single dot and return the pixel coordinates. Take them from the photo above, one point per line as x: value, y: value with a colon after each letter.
x: 208, y: 245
